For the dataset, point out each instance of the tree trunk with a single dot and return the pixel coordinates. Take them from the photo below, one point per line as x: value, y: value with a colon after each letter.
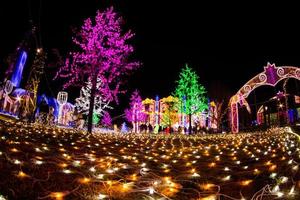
x: 190, y: 123
x: 92, y: 102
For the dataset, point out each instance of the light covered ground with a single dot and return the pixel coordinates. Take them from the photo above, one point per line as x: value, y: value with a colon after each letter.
x: 46, y: 163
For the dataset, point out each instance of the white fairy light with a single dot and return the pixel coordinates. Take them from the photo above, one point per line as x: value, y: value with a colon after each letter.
x: 102, y: 196
x: 83, y: 101
x: 92, y: 169
x: 67, y: 171
x: 151, y: 190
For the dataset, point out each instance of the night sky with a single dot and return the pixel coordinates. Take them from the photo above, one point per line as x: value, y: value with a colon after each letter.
x: 167, y: 37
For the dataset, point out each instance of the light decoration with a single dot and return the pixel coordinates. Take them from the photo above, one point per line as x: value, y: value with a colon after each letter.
x: 97, y: 165
x: 17, y: 74
x: 191, y: 93
x: 270, y: 76
x: 135, y: 114
x: 246, y: 182
x: 8, y: 88
x: 84, y: 180
x: 32, y: 85
x: 58, y: 195
x: 101, y: 102
x: 106, y: 119
x: 102, y: 196
x: 62, y: 98
x: 21, y: 174
x: 104, y: 52
x: 157, y: 108
x: 2, y: 197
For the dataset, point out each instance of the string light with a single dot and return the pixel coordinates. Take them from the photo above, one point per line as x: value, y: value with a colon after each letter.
x: 123, y: 174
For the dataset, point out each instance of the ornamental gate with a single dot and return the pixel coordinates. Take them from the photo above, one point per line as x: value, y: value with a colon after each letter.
x: 270, y: 76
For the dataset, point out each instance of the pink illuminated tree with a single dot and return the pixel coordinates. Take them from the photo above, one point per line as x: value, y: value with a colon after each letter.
x: 103, y: 52
x: 106, y: 119
x: 135, y: 114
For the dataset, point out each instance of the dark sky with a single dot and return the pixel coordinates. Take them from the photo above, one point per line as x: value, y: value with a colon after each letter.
x: 218, y: 43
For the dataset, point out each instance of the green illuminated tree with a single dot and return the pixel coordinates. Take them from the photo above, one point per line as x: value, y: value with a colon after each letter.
x: 191, y: 94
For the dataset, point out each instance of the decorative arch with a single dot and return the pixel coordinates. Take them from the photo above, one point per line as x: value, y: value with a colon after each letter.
x: 270, y: 76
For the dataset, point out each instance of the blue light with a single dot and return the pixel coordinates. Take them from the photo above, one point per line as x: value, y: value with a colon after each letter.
x: 50, y: 101
x: 17, y: 75
x: 156, y: 109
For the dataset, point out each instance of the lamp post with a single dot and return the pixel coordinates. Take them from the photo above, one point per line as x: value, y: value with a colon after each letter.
x: 62, y: 98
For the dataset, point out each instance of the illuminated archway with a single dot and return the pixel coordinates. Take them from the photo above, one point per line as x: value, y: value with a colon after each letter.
x: 270, y: 76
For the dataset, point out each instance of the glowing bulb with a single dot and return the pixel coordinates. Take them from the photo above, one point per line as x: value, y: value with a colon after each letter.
x: 212, y: 164
x: 100, y: 176
x: 57, y: 195
x: 92, y: 169
x: 292, y: 191
x: 195, y: 174
x: 279, y: 194
x: 67, y: 171
x: 84, y: 180
x: 17, y: 162
x: 14, y: 150
x: 246, y: 182
x: 283, y: 179
x: 38, y: 162
x: 295, y: 168
x: 151, y: 190
x: 276, y: 189
x: 226, y: 178
x: 273, y: 175
x: 256, y: 171
x: 226, y: 169
x: 22, y: 174
x: 102, y: 196
x: 76, y: 163
x: 207, y: 186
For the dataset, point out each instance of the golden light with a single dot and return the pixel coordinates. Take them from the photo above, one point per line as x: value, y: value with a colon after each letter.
x: 67, y: 171
x: 272, y: 168
x: 207, y: 186
x: 226, y: 178
x: 246, y: 182
x: 132, y: 177
x: 57, y: 195
x: 210, y: 197
x: 256, y: 171
x: 127, y: 186
x: 84, y: 180
x: 14, y: 150
x: 63, y: 165
x: 213, y: 164
x: 102, y: 196
x: 268, y: 163
x: 21, y: 174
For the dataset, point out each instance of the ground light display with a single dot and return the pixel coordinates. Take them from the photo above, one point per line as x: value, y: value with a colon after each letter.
x: 122, y: 108
x: 64, y: 164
